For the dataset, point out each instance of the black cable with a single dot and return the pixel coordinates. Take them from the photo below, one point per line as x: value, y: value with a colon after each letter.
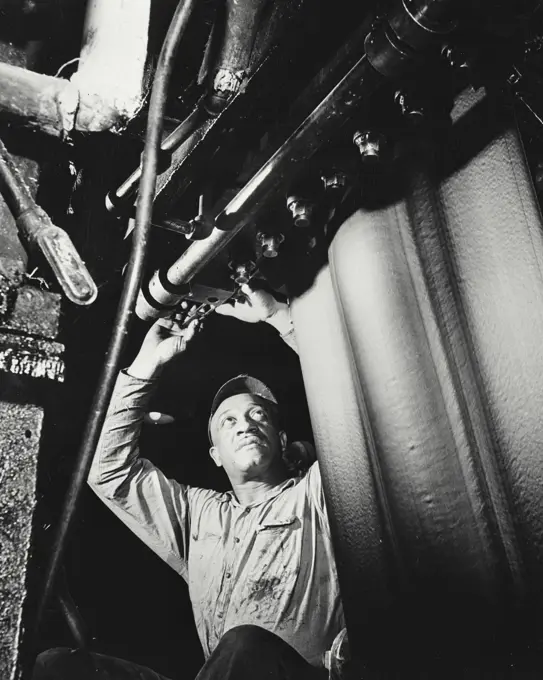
x: 132, y: 284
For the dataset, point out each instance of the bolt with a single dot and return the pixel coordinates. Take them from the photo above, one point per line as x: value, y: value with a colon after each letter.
x: 243, y: 272
x: 301, y: 210
x: 369, y: 144
x: 409, y: 106
x: 270, y: 243
x: 335, y: 180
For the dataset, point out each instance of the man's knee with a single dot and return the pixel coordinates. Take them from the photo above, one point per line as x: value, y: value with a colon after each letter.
x: 249, y: 637
x: 50, y: 662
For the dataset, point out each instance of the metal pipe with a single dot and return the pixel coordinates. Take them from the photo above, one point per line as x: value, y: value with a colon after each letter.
x: 276, y: 173
x: 241, y: 22
x: 38, y: 231
x: 105, y: 92
x: 134, y: 274
x: 385, y: 57
x: 71, y: 613
x: 52, y: 105
x: 113, y: 57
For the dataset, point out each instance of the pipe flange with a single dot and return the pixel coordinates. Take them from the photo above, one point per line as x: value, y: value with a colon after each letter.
x: 388, y: 55
x: 227, y: 82
x: 415, y: 27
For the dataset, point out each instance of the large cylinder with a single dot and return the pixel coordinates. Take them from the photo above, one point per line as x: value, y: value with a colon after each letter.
x: 421, y: 348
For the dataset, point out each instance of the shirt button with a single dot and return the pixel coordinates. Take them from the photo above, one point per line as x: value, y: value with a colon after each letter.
x: 228, y: 574
x: 236, y: 539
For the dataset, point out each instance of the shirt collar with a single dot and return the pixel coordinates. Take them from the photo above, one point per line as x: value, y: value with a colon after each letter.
x: 272, y: 493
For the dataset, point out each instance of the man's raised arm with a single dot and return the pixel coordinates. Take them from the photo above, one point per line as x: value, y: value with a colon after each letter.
x: 155, y: 508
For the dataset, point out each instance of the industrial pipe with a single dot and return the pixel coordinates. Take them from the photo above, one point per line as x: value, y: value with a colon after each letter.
x: 105, y: 92
x: 134, y: 274
x: 275, y: 174
x: 240, y: 27
x: 113, y: 57
x: 39, y: 232
x: 241, y: 22
x: 387, y: 55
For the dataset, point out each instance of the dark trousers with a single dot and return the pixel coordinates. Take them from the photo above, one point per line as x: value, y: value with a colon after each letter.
x: 244, y: 653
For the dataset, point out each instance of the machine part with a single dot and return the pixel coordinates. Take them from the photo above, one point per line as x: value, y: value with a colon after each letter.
x: 276, y: 174
x: 205, y: 294
x: 301, y: 210
x: 241, y: 23
x: 178, y: 226
x: 370, y: 144
x: 38, y: 230
x: 334, y: 181
x: 242, y: 272
x: 269, y: 55
x: 23, y: 355
x: 133, y: 276
x: 411, y: 107
x: 113, y: 58
x: 412, y: 27
x: 270, y: 244
x: 13, y: 255
x: 52, y: 105
x: 27, y: 334
x: 124, y: 196
x: 20, y: 426
x: 441, y: 325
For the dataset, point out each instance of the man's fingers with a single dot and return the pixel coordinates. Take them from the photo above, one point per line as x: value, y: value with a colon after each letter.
x: 226, y: 309
x: 190, y: 330
x: 246, y: 289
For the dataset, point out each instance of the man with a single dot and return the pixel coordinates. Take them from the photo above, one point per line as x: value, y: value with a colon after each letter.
x: 258, y: 560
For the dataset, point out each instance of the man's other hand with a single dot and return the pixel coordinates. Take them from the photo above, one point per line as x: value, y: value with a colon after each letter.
x: 255, y: 306
x: 164, y: 341
x: 259, y: 305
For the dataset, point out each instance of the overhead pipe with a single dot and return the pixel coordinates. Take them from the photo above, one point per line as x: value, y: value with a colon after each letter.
x: 232, y: 41
x: 125, y: 312
x: 241, y: 23
x: 106, y: 91
x: 389, y: 53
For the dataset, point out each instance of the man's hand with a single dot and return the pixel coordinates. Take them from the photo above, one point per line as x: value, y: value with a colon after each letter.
x: 258, y: 305
x: 164, y: 341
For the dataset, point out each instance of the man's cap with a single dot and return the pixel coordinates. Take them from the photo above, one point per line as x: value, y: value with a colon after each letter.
x: 241, y: 384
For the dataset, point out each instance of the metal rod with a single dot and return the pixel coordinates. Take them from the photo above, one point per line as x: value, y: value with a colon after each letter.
x: 34, y: 224
x: 127, y: 191
x: 14, y: 190
x: 134, y: 274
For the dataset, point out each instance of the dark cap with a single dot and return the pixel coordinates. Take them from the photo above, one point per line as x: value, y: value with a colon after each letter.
x: 241, y: 384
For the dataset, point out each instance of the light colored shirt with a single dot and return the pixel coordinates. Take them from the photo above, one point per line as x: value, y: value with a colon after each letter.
x: 268, y: 564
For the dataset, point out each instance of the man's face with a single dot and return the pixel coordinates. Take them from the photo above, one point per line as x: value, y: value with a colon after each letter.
x: 246, y: 441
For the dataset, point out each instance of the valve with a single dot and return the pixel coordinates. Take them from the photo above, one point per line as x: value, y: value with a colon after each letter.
x: 269, y: 243
x: 370, y: 144
x: 242, y: 272
x: 301, y: 209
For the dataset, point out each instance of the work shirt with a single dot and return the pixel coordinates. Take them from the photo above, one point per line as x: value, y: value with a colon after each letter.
x: 269, y: 563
